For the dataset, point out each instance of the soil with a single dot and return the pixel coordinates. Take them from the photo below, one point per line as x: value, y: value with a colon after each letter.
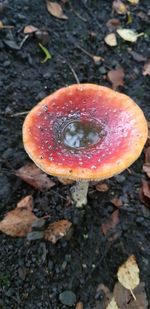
x: 33, y: 274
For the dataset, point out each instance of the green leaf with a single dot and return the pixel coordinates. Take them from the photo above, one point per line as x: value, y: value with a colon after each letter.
x: 48, y: 56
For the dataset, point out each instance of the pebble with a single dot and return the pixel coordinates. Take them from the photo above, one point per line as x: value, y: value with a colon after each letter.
x: 67, y: 298
x: 35, y: 235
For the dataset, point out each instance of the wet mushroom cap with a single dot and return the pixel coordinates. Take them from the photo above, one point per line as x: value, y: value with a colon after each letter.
x: 85, y: 131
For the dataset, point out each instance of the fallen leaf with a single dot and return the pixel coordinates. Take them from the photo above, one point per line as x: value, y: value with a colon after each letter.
x: 116, y: 77
x: 57, y: 230
x: 110, y: 39
x: 129, y: 35
x: 46, y: 52
x: 125, y: 300
x: 119, y: 7
x: 116, y: 202
x: 18, y: 222
x: 102, y: 187
x: 31, y: 174
x: 121, y: 295
x: 136, y: 56
x: 146, y: 69
x: 30, y: 29
x: 145, y: 193
x: 113, y: 24
x: 26, y: 202
x: 97, y: 59
x: 55, y: 9
x: 133, y: 1
x: 65, y: 181
x: 128, y: 274
x: 111, y: 222
x: 112, y: 304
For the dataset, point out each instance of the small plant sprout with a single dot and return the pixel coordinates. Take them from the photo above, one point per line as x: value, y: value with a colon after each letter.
x: 84, y: 132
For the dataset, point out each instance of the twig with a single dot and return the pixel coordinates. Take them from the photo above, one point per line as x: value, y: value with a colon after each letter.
x: 77, y: 14
x: 19, y: 114
x: 74, y: 73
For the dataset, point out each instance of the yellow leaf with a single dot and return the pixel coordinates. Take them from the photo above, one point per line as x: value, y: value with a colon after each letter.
x: 112, y: 304
x: 134, y: 1
x: 119, y: 7
x: 128, y: 274
x: 110, y: 39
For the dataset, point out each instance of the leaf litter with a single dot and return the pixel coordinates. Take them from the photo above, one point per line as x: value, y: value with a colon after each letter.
x: 111, y: 222
x: 116, y: 77
x: 31, y: 174
x: 18, y: 222
x: 129, y: 292
x: 57, y: 230
x: 55, y: 9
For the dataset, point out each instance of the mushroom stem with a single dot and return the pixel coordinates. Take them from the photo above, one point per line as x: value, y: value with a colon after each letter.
x: 79, y: 192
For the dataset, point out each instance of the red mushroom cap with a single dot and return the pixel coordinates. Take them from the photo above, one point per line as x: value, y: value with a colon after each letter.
x: 85, y: 131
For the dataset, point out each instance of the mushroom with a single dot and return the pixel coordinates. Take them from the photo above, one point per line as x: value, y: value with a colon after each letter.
x: 84, y: 132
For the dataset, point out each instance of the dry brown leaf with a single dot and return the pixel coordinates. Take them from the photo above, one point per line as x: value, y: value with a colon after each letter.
x: 116, y: 77
x: 18, y: 222
x: 111, y: 222
x: 145, y: 193
x: 116, y: 202
x: 112, y: 304
x: 146, y: 69
x: 113, y: 24
x: 31, y: 174
x: 128, y: 274
x: 102, y: 187
x: 119, y: 7
x: 57, y: 230
x: 30, y: 29
x: 110, y: 39
x: 66, y: 181
x: 26, y: 202
x: 55, y: 9
x: 125, y: 300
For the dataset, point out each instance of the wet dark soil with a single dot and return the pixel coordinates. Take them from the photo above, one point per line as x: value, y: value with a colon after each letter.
x: 33, y: 274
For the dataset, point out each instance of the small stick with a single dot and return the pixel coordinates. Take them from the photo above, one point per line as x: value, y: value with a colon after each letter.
x: 19, y: 114
x: 74, y: 73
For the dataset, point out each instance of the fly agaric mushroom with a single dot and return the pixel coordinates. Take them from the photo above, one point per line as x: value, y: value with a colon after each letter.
x: 84, y: 132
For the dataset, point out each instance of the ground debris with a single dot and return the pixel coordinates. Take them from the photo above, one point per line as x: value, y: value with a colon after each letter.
x: 119, y: 7
x: 55, y: 9
x: 31, y: 174
x: 102, y: 187
x: 57, y: 230
x: 18, y: 222
x: 128, y: 274
x: 111, y: 222
x: 116, y: 77
x: 146, y: 68
x: 110, y: 39
x: 125, y: 300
